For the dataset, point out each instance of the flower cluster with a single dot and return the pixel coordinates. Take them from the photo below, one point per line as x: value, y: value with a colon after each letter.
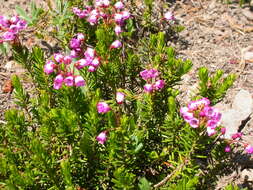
x: 150, y: 76
x: 199, y: 112
x: 76, y: 45
x: 90, y: 60
x: 103, y: 10
x: 11, y: 27
x: 59, y: 65
x: 237, y: 139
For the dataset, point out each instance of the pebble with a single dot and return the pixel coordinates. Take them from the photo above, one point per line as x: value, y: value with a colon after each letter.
x: 247, y: 13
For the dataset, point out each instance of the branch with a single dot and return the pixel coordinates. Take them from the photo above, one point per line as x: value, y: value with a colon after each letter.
x: 170, y: 175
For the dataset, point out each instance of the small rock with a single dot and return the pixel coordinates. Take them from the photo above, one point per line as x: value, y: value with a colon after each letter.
x: 247, y: 175
x: 243, y: 104
x: 247, y: 54
x: 9, y: 65
x: 247, y: 13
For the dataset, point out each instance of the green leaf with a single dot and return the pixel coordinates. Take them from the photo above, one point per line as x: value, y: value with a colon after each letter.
x: 144, y: 184
x: 23, y: 14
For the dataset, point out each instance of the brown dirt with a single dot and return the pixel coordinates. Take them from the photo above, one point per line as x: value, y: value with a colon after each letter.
x: 216, y: 36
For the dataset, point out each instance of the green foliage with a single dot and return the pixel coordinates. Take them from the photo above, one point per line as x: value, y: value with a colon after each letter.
x: 214, y: 87
x: 233, y: 187
x: 49, y: 139
x: 35, y: 13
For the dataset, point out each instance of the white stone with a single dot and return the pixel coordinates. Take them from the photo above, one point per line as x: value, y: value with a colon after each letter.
x: 231, y: 120
x: 243, y: 104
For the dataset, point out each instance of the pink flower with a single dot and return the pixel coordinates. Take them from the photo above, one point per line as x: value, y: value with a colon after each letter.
x: 74, y: 43
x: 69, y: 81
x: 67, y: 60
x: 227, y: 148
x: 81, y: 63
x: 210, y: 131
x: 14, y: 29
x: 58, y: 57
x: 73, y: 53
x: 148, y: 88
x: 147, y: 74
x: 101, y: 138
x: 193, y: 105
x: 125, y: 15
x: 223, y: 130
x: 159, y: 84
x: 236, y: 135
x: 118, y: 30
x: 80, y: 36
x: 4, y: 21
x: 49, y: 67
x: 92, y: 69
x: 249, y: 149
x: 58, y: 81
x: 116, y: 44
x: 186, y: 114
x: 22, y: 24
x: 80, y: 13
x: 120, y: 96
x: 79, y: 81
x: 14, y: 19
x: 119, y: 5
x: 194, y: 123
x: 212, y: 123
x: 103, y: 107
x: 9, y: 36
x: 169, y: 16
x: 118, y: 18
x: 90, y: 53
x: 95, y: 62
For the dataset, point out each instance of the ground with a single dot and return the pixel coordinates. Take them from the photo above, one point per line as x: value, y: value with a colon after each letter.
x: 217, y: 35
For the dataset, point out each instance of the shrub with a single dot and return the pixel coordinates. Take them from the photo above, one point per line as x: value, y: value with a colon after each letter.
x: 104, y: 113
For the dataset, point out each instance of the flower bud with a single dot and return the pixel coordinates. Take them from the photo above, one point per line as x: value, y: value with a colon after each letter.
x: 159, y: 84
x: 116, y: 44
x: 101, y: 138
x: 148, y: 88
x: 169, y: 16
x: 79, y: 81
x: 103, y: 107
x: 227, y: 148
x: 120, y: 96
x: 119, y: 5
x: 58, y: 81
x: 49, y: 67
x: 69, y: 81
x: 118, y: 30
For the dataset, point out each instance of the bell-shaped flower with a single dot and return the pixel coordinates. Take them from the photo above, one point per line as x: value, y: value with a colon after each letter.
x: 49, y: 67
x: 120, y: 96
x: 119, y: 5
x: 103, y: 107
x: 116, y: 44
x: 79, y: 81
x: 69, y: 81
x: 101, y: 138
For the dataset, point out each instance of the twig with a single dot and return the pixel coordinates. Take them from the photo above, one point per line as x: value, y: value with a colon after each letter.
x: 170, y: 175
x: 3, y: 122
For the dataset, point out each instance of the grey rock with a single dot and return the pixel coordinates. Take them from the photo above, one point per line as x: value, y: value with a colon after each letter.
x: 241, y: 110
x: 243, y: 104
x: 231, y: 120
